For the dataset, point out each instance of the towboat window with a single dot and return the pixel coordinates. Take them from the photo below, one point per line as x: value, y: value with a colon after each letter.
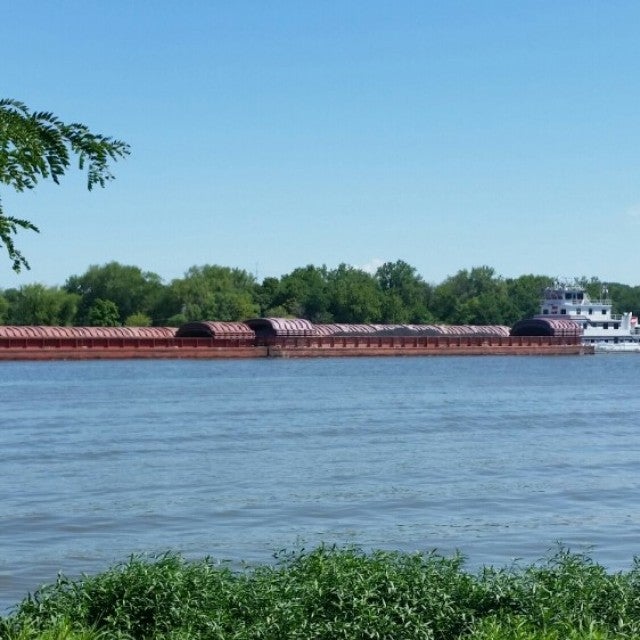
x: 590, y: 311
x: 545, y: 311
x: 563, y: 311
x: 578, y: 310
x: 616, y: 325
x: 605, y: 325
x: 604, y: 312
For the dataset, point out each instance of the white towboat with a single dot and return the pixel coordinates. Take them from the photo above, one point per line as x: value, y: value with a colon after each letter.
x: 600, y: 328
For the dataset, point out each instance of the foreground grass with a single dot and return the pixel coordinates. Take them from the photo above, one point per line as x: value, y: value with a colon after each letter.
x: 332, y: 593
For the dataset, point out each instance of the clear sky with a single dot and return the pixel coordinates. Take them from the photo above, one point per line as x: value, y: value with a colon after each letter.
x: 271, y: 135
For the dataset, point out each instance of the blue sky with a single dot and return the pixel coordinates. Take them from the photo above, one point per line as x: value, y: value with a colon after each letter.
x: 271, y: 135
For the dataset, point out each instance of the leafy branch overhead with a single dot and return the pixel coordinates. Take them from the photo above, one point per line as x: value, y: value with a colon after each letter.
x: 37, y: 145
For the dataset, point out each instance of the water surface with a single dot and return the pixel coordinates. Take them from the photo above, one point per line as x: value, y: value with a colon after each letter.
x: 499, y: 457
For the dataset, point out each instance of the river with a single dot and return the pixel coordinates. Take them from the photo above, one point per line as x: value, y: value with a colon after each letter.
x: 499, y: 457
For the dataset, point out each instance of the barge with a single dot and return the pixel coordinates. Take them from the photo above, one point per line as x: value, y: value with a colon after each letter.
x: 277, y: 337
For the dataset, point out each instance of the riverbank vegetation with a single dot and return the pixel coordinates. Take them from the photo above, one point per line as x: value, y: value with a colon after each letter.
x: 114, y: 294
x: 334, y: 593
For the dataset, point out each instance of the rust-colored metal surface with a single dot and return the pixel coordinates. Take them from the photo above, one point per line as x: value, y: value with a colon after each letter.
x: 271, y: 327
x: 284, y: 346
x: 284, y: 337
x: 212, y: 329
x: 424, y: 345
x: 85, y: 332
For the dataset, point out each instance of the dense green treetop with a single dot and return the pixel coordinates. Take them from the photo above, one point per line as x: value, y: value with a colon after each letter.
x: 4, y: 309
x: 477, y: 296
x: 37, y: 145
x: 138, y: 320
x: 130, y: 288
x: 35, y: 304
x: 303, y: 293
x: 103, y: 313
x: 211, y: 292
x: 524, y: 295
x: 405, y: 295
x: 355, y: 295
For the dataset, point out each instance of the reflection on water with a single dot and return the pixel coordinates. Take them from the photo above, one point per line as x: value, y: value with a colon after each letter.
x: 497, y: 457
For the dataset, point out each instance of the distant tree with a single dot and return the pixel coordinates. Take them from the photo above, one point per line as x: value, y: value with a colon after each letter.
x: 266, y: 296
x: 4, y: 309
x: 354, y: 295
x: 37, y: 145
x: 138, y: 320
x: 473, y: 297
x: 525, y: 293
x: 36, y: 304
x: 212, y: 292
x: 167, y: 310
x: 175, y: 320
x: 103, y: 313
x: 131, y: 289
x: 304, y: 293
x: 405, y: 294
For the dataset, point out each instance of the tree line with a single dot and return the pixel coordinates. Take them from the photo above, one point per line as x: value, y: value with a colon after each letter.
x: 114, y: 294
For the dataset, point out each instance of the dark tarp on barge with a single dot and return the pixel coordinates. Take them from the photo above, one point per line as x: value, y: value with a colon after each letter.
x: 546, y: 327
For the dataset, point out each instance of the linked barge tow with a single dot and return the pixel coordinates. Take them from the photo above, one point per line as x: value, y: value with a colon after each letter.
x: 279, y: 337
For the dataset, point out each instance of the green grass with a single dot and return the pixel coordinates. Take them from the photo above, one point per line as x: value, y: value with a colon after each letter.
x: 336, y: 593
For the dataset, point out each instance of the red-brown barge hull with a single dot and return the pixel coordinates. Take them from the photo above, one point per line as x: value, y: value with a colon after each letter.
x: 285, y: 347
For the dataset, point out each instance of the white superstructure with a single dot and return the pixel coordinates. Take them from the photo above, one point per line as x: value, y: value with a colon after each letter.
x: 600, y: 327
